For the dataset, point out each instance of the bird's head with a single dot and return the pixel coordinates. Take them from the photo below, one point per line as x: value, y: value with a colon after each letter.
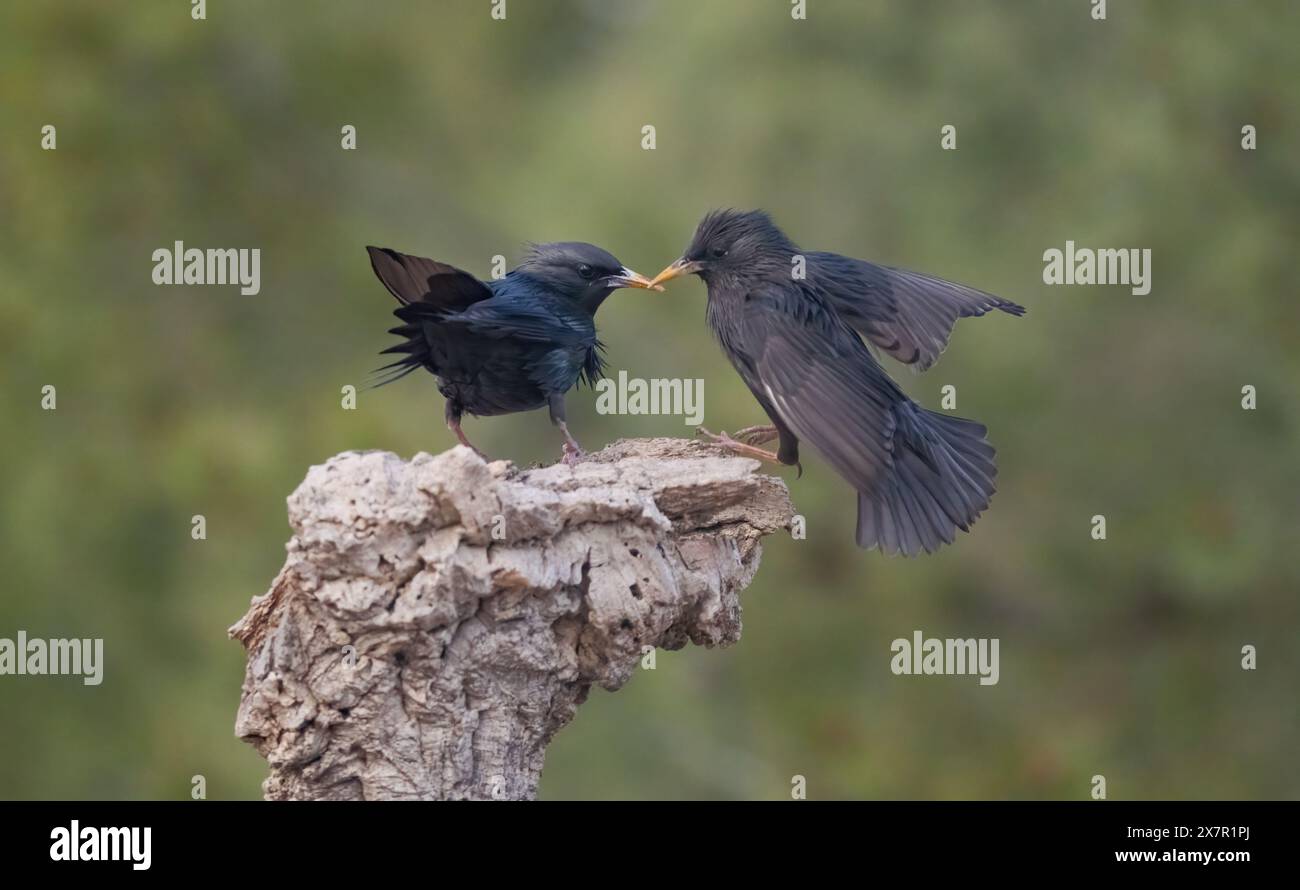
x: 732, y: 243
x: 582, y: 272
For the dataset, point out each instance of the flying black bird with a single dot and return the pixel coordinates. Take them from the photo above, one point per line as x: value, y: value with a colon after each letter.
x: 796, y: 342
x: 514, y: 344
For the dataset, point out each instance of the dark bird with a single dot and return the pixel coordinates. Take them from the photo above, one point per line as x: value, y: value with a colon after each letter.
x: 797, y: 343
x: 513, y: 344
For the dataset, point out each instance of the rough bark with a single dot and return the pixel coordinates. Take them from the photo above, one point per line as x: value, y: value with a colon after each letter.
x: 438, y: 620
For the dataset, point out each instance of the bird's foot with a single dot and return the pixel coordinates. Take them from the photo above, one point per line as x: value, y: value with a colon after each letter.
x: 572, y: 453
x: 756, y: 435
x: 740, y: 448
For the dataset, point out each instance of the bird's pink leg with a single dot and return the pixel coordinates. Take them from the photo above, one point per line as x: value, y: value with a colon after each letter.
x: 453, y: 424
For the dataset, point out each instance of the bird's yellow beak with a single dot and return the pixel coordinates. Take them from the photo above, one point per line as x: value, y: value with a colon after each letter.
x: 627, y: 278
x: 676, y: 270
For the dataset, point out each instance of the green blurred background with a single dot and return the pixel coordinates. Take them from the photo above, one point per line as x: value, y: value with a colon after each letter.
x: 1119, y: 658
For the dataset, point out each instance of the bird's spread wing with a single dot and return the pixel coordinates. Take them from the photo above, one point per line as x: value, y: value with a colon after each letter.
x: 920, y: 475
x: 823, y: 381
x: 907, y: 314
x: 414, y: 279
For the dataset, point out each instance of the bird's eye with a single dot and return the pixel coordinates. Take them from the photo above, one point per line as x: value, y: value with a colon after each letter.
x: 586, y: 271
x: 718, y: 252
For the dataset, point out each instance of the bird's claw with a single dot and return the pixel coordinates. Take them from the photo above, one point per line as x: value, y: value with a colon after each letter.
x: 573, y: 453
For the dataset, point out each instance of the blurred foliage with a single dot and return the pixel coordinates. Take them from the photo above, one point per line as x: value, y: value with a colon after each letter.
x: 1119, y: 657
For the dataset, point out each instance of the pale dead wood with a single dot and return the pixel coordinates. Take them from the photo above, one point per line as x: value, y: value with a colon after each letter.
x: 438, y: 620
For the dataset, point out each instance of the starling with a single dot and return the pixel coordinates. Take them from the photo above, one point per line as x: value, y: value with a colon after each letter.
x: 513, y: 344
x: 796, y: 341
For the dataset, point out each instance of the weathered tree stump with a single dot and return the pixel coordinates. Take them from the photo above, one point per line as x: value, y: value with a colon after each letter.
x: 438, y: 620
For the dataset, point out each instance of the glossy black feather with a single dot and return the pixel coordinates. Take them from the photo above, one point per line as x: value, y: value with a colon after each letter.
x: 414, y: 279
x: 497, y: 347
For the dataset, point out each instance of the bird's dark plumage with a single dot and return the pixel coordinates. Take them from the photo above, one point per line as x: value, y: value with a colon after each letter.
x: 906, y: 314
x: 513, y: 344
x: 795, y: 341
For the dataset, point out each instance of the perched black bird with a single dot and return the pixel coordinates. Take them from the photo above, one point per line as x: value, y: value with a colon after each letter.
x: 796, y: 342
x: 513, y: 344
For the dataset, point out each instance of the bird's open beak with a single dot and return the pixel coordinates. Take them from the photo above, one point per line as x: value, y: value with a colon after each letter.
x: 676, y: 270
x: 627, y: 278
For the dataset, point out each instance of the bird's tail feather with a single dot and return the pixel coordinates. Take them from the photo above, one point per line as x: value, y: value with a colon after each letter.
x: 414, y: 350
x: 941, y: 480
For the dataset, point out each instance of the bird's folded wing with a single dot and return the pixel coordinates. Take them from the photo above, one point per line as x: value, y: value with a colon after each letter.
x: 414, y: 279
x: 561, y: 349
x: 907, y: 314
x: 502, y: 318
x: 826, y: 386
x: 556, y: 370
